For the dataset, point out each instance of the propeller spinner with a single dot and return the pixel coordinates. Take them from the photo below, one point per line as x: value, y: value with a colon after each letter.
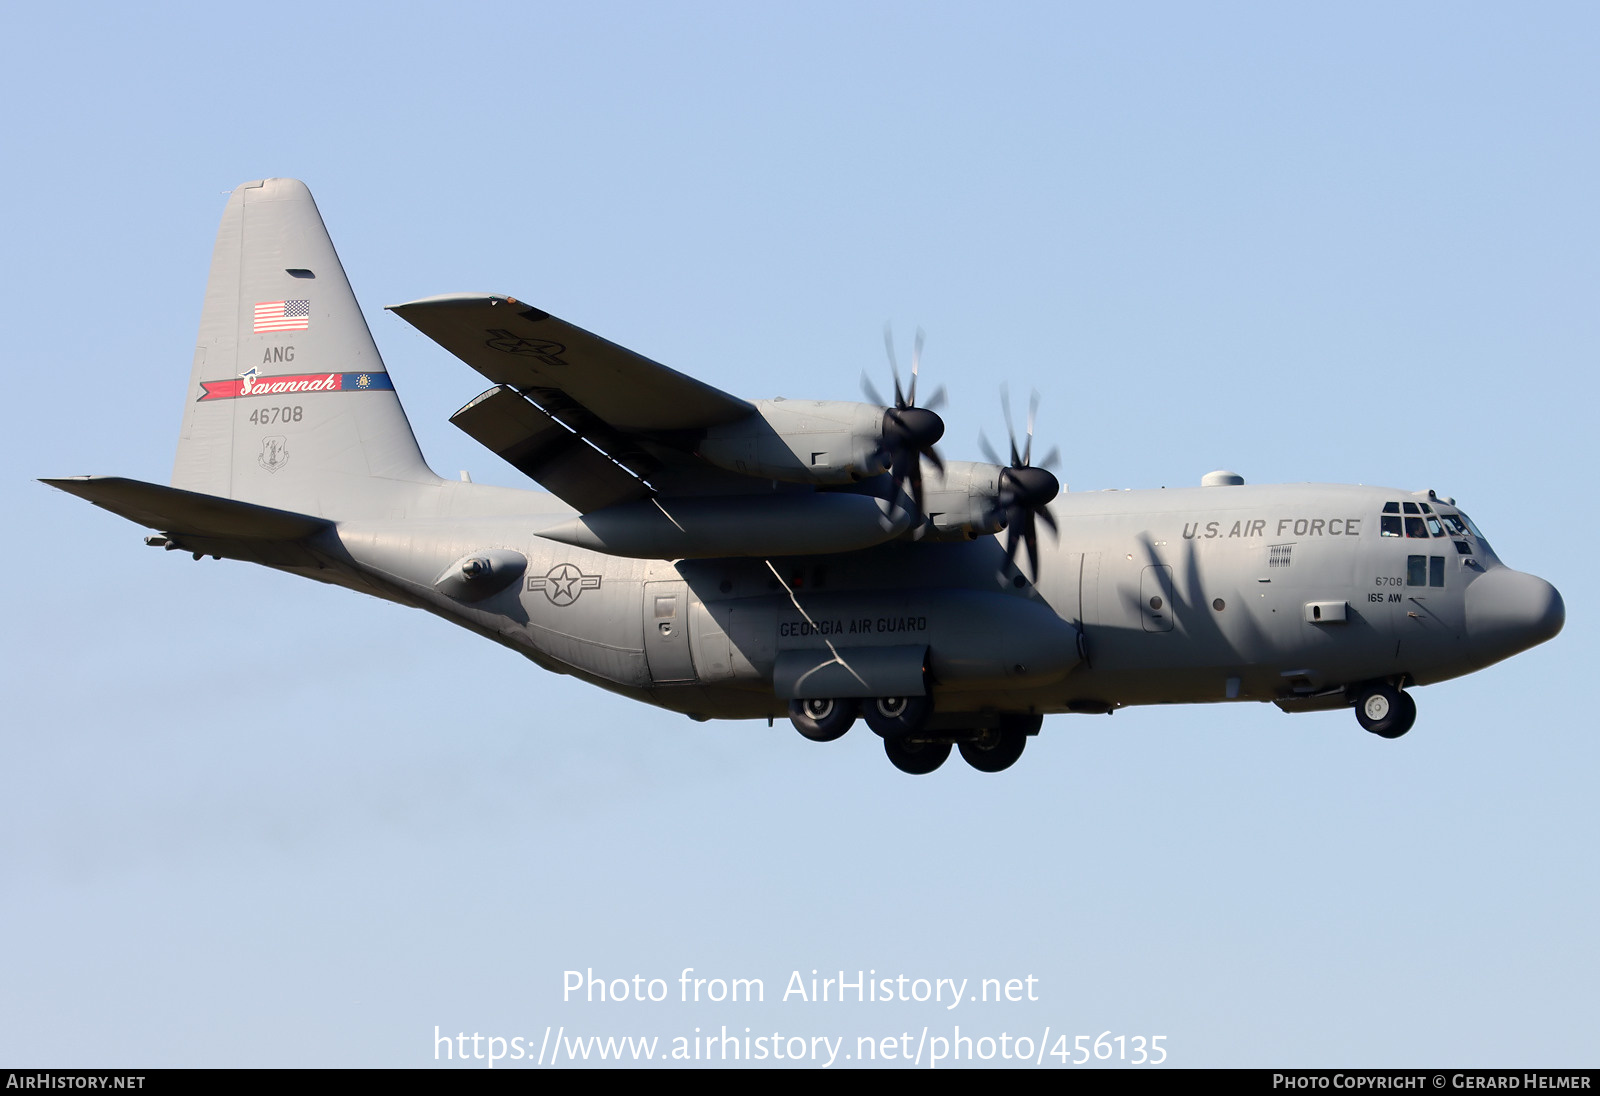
x: 1025, y: 488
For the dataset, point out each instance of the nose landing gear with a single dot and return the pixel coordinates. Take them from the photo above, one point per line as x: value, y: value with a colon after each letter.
x: 1385, y: 711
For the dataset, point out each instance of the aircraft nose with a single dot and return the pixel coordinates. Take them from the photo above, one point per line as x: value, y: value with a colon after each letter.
x: 1513, y: 610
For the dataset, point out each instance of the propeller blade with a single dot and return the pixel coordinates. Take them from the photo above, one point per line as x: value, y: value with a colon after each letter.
x: 936, y: 400
x: 916, y: 362
x: 1011, y: 429
x: 894, y: 366
x: 988, y: 450
x: 870, y: 392
x: 909, y: 432
x: 1033, y: 410
x: 1025, y: 488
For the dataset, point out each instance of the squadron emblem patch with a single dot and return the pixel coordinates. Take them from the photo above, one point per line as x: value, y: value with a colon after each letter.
x: 274, y: 452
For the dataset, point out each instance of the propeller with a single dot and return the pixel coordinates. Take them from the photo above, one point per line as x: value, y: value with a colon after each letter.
x: 909, y: 432
x: 1025, y: 488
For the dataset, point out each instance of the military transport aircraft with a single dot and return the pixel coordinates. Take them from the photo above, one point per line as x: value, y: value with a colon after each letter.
x: 735, y: 559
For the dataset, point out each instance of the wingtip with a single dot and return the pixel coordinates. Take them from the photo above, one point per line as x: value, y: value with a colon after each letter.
x: 444, y: 300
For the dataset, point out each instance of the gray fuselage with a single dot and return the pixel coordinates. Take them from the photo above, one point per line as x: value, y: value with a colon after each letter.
x: 1291, y: 594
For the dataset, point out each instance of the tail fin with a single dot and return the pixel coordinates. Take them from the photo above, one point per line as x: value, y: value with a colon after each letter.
x: 289, y: 403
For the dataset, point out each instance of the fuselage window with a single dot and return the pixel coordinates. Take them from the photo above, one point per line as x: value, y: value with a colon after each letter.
x: 1435, y: 570
x: 1391, y: 525
x: 1462, y: 548
x: 1391, y: 508
x: 1410, y: 508
x: 1455, y: 524
x: 1434, y: 527
x: 1416, y: 527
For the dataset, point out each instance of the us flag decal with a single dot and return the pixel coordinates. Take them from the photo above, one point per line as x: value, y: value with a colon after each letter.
x: 283, y: 316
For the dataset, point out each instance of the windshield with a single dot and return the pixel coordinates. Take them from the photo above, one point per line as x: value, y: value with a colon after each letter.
x: 1405, y: 519
x: 1461, y: 528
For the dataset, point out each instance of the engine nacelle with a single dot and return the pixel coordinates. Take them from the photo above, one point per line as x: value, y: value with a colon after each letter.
x: 798, y: 523
x: 963, y: 505
x: 801, y: 441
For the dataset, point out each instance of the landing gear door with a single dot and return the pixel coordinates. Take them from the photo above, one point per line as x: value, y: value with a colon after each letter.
x: 666, y: 632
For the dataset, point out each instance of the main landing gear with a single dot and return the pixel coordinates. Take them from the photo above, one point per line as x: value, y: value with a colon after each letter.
x: 893, y: 716
x: 822, y: 720
x: 901, y: 721
x: 915, y: 755
x: 994, y: 749
x: 1385, y: 710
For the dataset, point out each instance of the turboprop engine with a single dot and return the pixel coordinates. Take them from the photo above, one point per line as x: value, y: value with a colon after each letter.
x: 805, y: 441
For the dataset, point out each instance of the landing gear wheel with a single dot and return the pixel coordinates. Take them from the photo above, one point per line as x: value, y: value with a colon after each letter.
x: 892, y: 716
x: 994, y: 749
x: 822, y: 719
x: 1408, y: 716
x: 915, y: 755
x: 1385, y: 711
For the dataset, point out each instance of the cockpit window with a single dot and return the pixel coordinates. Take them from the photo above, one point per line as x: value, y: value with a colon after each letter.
x: 1420, y: 521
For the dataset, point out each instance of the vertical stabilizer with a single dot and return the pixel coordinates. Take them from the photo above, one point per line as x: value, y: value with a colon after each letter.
x: 289, y: 404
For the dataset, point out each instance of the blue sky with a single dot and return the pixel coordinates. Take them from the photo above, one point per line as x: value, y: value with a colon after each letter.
x: 252, y: 820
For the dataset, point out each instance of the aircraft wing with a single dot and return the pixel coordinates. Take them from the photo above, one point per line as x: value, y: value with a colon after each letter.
x: 563, y: 393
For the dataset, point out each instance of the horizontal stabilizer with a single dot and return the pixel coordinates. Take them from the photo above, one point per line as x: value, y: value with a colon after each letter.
x: 188, y: 513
